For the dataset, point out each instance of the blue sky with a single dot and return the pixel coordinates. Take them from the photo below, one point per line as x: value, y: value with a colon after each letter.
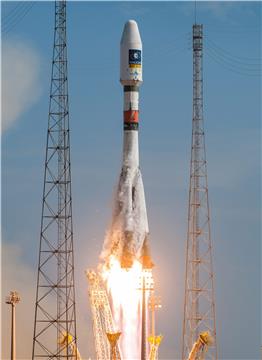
x: 232, y: 100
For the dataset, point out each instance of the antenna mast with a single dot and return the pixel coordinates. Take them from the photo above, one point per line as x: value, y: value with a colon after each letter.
x: 199, y: 305
x: 55, y: 296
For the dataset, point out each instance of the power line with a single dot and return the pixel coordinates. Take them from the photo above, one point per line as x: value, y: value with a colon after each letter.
x: 9, y: 25
x: 17, y: 17
x: 14, y: 11
x: 226, y: 66
x: 233, y: 64
x: 233, y: 30
x: 230, y: 55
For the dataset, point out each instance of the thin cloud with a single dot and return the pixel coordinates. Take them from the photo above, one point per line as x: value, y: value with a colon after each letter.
x: 133, y: 9
x: 218, y: 9
x: 20, y: 80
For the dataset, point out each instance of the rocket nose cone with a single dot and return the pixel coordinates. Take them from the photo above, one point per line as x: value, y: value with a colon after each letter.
x: 131, y: 33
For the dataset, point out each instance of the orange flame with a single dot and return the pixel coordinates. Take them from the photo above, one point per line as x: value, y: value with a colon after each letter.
x: 124, y: 290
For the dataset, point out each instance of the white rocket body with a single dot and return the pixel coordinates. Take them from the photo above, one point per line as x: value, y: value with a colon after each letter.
x: 131, y: 55
x: 128, y: 236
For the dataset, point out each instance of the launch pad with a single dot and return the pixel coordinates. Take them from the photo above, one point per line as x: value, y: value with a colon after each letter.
x: 121, y: 291
x: 127, y: 270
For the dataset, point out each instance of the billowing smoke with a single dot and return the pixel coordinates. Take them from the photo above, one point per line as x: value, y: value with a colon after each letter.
x: 127, y: 238
x: 123, y: 258
x: 125, y: 299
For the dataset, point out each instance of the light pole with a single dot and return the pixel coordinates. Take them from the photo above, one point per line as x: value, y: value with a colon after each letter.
x: 12, y: 300
x: 154, y: 303
x: 147, y: 284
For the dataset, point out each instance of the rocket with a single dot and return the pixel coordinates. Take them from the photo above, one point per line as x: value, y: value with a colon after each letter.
x: 128, y: 236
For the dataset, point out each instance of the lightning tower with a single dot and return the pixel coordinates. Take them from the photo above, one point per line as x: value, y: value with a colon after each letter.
x: 55, y: 296
x: 199, y: 305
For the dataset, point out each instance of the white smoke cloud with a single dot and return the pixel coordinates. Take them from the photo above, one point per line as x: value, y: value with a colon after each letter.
x: 20, y: 80
x: 19, y: 276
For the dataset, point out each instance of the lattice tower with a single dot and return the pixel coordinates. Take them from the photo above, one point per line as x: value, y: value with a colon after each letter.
x: 55, y: 312
x: 199, y: 305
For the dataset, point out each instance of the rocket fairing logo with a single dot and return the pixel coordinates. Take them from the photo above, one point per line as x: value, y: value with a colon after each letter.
x: 135, y: 58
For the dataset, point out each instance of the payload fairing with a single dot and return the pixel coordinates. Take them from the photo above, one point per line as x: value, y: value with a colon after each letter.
x: 127, y: 238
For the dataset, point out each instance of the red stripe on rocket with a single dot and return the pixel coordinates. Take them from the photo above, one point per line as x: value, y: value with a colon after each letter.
x: 131, y: 116
x: 128, y: 236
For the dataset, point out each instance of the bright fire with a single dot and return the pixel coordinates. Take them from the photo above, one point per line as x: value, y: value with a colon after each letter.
x: 124, y: 290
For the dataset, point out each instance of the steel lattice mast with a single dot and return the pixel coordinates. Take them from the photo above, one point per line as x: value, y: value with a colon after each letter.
x: 199, y: 306
x: 55, y: 296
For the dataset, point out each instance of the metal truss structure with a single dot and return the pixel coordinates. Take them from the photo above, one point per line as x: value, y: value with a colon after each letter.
x: 199, y: 305
x: 55, y: 313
